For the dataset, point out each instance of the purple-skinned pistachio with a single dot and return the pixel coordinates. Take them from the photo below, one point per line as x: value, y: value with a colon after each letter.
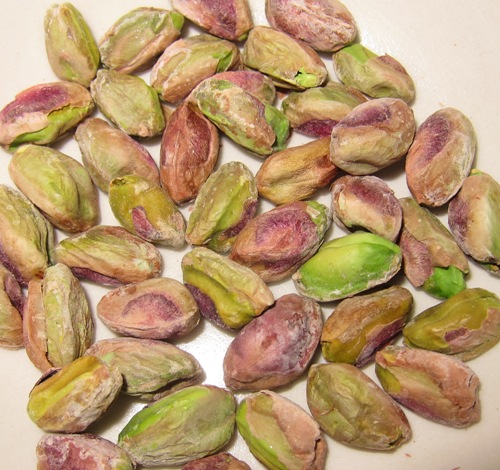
x: 326, y: 25
x: 368, y: 203
x: 12, y: 303
x: 220, y: 461
x: 373, y: 136
x: 440, y: 157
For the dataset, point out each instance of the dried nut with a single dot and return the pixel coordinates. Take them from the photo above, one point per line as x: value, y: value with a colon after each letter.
x: 140, y: 115
x: 440, y: 157
x: 352, y: 409
x: 348, y: 265
x: 275, y: 348
x: 465, y: 325
x: 71, y: 398
x: 436, y: 386
x: 109, y: 255
x: 368, y: 203
x: 227, y: 293
x: 58, y: 185
x: 137, y: 38
x: 146, y: 209
x: 26, y: 238
x: 57, y: 322
x: 59, y: 451
x: 256, y: 126
x: 275, y: 243
x: 289, y: 62
x: 280, y: 433
x: 431, y: 257
x: 230, y: 20
x: 11, y: 307
x: 43, y: 113
x: 108, y: 152
x: 220, y: 461
x: 159, y: 308
x: 316, y: 111
x: 188, y: 61
x: 189, y: 151
x: 189, y: 424
x: 149, y: 368
x: 377, y: 76
x: 225, y: 203
x: 296, y: 173
x: 474, y: 219
x: 363, y: 324
x: 374, y: 135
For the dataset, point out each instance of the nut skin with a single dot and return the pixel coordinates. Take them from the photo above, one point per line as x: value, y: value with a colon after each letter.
x: 276, y: 347
x: 134, y: 42
x: 189, y: 424
x: 12, y: 303
x: 352, y: 409
x: 276, y: 243
x: 296, y: 173
x: 373, y: 136
x: 348, y: 265
x: 431, y: 257
x: 279, y: 433
x: 363, y: 324
x: 466, y: 325
x: 440, y: 157
x: 158, y: 308
x: 436, y: 386
x: 220, y: 461
x: 228, y: 294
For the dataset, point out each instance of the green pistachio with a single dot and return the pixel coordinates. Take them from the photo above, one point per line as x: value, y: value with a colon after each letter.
x: 11, y: 308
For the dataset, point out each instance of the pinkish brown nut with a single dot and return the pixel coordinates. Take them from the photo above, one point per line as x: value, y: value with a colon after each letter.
x: 220, y: 461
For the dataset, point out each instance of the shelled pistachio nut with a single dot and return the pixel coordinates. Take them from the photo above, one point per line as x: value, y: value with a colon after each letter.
x: 227, y: 293
x: 191, y: 423
x: 220, y: 461
x: 12, y: 303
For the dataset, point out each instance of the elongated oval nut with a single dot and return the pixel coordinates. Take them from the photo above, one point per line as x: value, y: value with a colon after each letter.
x: 12, y: 303
x: 352, y: 409
x: 220, y: 461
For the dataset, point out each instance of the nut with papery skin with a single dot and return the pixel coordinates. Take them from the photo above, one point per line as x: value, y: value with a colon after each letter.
x: 70, y: 399
x: 280, y: 433
x: 158, y: 308
x: 373, y: 136
x: 228, y: 294
x: 466, y: 325
x: 352, y: 409
x: 440, y: 157
x: 361, y: 325
x: 11, y: 308
x: 220, y: 461
x: 137, y: 38
x: 436, y: 386
x: 275, y: 243
x: 189, y: 424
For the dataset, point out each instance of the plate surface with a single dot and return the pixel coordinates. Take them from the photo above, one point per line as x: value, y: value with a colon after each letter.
x: 449, y: 48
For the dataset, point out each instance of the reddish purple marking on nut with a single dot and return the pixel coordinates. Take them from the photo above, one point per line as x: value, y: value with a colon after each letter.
x: 142, y: 225
x: 206, y: 306
x: 434, y: 133
x: 151, y: 305
x: 371, y: 115
x: 249, y: 210
x: 93, y: 276
x: 317, y: 127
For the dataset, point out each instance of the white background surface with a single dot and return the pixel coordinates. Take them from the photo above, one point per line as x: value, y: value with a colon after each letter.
x: 450, y: 48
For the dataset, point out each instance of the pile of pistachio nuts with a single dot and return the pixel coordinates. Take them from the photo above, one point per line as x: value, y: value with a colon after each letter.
x: 233, y: 84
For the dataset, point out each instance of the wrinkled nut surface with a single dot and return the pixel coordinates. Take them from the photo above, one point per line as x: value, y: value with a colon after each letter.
x: 366, y: 202
x: 326, y: 25
x: 228, y: 294
x: 373, y: 136
x: 150, y: 368
x: 220, y: 461
x: 70, y: 399
x: 43, y: 113
x: 276, y: 347
x: 158, y: 308
x: 137, y: 38
x: 363, y: 324
x: 296, y: 173
x: 58, y: 185
x: 12, y: 303
x: 80, y: 451
x: 189, y: 424
x: 348, y: 265
x: 276, y: 242
x: 432, y: 258
x: 280, y: 433
x: 440, y: 157
x: 109, y: 255
x: 436, y: 386
x: 465, y: 325
x: 352, y: 409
